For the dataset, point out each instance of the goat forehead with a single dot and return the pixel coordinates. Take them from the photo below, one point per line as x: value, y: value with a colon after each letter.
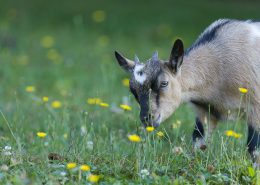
x: 144, y: 75
x: 139, y: 74
x: 148, y: 71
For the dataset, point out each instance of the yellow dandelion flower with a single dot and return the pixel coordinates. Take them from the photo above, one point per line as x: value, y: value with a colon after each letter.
x: 232, y: 133
x: 160, y: 134
x: 71, y: 165
x: 54, y: 56
x: 56, y: 104
x: 125, y: 107
x: 102, y: 104
x: 41, y: 134
x: 178, y: 122
x: 30, y: 89
x: 45, y: 98
x: 98, y: 16
x: 174, y: 126
x: 47, y: 41
x: 65, y: 136
x: 134, y: 138
x: 149, y: 129
x: 103, y: 40
x: 93, y: 178
x: 229, y: 133
x: 94, y: 101
x: 126, y: 82
x: 23, y: 60
x: 237, y: 136
x: 85, y: 167
x: 243, y: 90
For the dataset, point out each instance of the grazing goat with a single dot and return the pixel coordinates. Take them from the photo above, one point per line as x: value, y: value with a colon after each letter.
x: 225, y: 57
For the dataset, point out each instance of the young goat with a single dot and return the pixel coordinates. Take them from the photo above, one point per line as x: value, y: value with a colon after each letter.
x: 226, y: 56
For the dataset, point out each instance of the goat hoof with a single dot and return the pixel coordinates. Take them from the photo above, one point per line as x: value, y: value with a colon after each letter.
x: 199, y: 144
x: 203, y: 147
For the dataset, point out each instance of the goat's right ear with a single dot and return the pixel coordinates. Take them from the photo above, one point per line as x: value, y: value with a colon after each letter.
x: 177, y: 54
x: 126, y: 64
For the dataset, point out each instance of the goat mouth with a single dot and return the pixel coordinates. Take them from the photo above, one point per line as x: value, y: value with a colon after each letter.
x: 154, y: 123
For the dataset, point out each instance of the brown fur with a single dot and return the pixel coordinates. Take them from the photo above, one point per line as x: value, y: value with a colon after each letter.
x: 212, y: 73
x: 224, y: 58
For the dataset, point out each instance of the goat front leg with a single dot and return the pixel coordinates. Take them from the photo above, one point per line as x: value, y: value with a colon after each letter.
x: 199, y: 136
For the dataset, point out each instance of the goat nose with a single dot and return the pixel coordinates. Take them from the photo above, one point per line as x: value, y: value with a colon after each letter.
x: 145, y: 119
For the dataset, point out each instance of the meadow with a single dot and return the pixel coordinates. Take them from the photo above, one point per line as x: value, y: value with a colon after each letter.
x: 62, y: 91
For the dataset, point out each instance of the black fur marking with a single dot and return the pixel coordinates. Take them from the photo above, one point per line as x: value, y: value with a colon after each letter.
x: 141, y: 92
x: 156, y: 88
x: 134, y: 93
x: 207, y: 36
x: 154, y: 73
x: 198, y: 130
x: 144, y: 104
x: 122, y: 62
x: 208, y: 108
x: 253, y: 139
x: 154, y: 82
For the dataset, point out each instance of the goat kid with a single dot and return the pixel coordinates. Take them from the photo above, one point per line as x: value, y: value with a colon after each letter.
x: 225, y: 56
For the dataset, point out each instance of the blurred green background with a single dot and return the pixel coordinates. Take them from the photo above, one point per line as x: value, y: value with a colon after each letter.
x: 65, y: 49
x: 85, y: 34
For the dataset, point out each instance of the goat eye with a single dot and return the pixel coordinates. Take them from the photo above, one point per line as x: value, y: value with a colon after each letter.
x: 140, y: 73
x: 164, y: 84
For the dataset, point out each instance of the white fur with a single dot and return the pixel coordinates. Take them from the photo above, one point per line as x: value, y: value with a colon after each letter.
x: 255, y: 33
x: 139, y: 78
x: 199, y: 144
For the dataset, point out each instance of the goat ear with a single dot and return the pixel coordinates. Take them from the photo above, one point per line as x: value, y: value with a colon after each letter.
x: 126, y: 64
x: 176, y: 57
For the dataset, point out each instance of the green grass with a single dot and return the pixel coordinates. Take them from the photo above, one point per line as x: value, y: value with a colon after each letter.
x: 86, y: 68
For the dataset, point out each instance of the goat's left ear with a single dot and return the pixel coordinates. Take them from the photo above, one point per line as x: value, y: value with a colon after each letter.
x: 126, y: 64
x: 176, y: 57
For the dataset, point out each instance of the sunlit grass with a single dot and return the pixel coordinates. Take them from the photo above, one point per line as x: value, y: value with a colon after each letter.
x: 76, y: 126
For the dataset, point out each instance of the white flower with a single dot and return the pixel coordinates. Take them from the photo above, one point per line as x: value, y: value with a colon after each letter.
x: 4, y: 167
x: 63, y: 173
x: 83, y: 130
x: 6, y: 148
x: 177, y: 150
x: 90, y: 145
x: 144, y: 173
